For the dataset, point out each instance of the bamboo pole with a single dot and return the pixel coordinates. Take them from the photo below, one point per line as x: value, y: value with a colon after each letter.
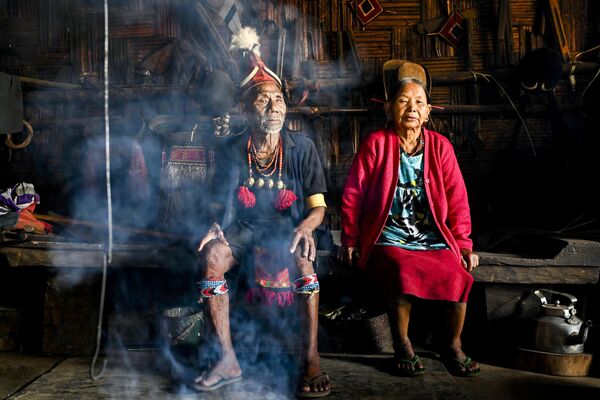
x: 69, y: 221
x: 45, y: 83
x: 136, y: 92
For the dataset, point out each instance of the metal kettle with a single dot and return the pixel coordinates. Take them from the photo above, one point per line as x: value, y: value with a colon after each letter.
x: 557, y: 329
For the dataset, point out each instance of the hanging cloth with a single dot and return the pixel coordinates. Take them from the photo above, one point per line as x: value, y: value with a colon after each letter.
x: 11, y: 104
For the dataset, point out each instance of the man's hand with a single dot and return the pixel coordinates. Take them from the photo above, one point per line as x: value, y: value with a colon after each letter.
x: 304, y: 234
x: 469, y: 260
x: 348, y: 255
x: 214, y: 232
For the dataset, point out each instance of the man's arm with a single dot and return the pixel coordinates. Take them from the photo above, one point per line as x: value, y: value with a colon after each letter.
x: 215, y: 232
x: 304, y: 232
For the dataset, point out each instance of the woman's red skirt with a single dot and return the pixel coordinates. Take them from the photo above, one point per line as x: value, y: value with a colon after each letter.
x: 427, y: 274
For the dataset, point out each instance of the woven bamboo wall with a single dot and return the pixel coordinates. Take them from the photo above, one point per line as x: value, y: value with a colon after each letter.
x: 58, y: 40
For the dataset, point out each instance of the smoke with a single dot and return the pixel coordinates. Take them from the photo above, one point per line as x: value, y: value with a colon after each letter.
x: 161, y: 198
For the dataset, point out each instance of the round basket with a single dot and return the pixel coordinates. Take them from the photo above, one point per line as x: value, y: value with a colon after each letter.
x: 169, y: 124
x: 182, y: 325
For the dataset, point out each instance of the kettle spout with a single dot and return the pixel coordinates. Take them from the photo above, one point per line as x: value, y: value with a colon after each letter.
x: 581, y: 337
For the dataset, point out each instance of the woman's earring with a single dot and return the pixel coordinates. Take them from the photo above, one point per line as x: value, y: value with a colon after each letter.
x: 429, y: 122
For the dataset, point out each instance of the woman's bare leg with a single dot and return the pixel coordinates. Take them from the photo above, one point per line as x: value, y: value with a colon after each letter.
x: 399, y: 316
x: 455, y: 315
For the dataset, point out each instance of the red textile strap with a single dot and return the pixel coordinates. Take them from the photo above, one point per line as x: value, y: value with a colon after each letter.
x: 308, y: 284
x: 212, y: 288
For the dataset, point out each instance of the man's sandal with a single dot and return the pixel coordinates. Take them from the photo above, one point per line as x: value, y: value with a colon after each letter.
x: 320, y: 378
x: 461, y: 368
x: 413, y: 371
x: 223, y: 380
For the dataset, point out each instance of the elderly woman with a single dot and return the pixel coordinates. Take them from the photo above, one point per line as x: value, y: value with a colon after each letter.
x: 406, y: 220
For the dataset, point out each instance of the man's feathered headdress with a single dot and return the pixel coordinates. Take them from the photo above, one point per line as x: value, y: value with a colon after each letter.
x: 253, y: 70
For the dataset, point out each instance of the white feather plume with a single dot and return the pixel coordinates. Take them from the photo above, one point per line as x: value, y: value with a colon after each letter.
x: 246, y: 39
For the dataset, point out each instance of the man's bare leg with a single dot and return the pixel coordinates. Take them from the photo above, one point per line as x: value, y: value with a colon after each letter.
x: 219, y: 259
x: 308, y: 307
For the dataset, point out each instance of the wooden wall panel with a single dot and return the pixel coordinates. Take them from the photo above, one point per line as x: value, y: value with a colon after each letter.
x: 38, y: 38
x: 131, y: 23
x: 574, y: 18
x: 374, y: 44
x: 402, y: 43
x: 524, y: 12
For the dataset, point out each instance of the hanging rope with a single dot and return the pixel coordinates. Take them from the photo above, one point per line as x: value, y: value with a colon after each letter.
x: 107, y: 137
x: 11, y: 145
x: 489, y: 77
x: 597, y: 72
x: 93, y: 374
x: 107, y: 258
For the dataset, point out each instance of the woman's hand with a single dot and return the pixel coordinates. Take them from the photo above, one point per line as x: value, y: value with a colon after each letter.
x: 469, y: 260
x: 215, y: 232
x: 348, y: 255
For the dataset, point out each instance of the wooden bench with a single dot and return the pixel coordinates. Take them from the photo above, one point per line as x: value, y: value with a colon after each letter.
x: 573, y: 261
x: 569, y: 261
x: 502, y: 275
x: 62, y: 281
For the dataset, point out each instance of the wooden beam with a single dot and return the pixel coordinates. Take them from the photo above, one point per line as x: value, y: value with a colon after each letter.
x: 536, y: 275
x: 132, y: 92
x: 51, y: 84
x: 47, y: 253
x: 455, y: 77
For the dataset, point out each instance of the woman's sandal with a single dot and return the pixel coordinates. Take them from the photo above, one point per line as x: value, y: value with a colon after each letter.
x: 414, y: 371
x: 461, y: 368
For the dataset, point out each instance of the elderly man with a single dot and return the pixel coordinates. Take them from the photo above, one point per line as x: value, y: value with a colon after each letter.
x: 275, y: 202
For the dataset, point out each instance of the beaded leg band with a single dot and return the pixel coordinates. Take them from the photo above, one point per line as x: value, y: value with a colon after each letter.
x: 308, y: 284
x: 212, y: 288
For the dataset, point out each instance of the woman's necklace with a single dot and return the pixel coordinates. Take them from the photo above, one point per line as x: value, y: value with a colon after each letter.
x: 417, y: 148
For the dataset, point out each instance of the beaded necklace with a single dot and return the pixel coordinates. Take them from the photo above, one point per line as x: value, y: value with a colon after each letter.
x: 276, y: 164
x: 246, y: 197
x: 418, y: 147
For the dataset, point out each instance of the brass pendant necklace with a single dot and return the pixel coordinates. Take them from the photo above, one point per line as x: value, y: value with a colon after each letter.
x: 267, y: 170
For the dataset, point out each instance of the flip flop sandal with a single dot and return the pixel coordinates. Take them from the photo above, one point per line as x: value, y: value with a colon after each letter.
x: 461, y: 368
x: 310, y: 382
x: 220, y: 383
x: 413, y: 363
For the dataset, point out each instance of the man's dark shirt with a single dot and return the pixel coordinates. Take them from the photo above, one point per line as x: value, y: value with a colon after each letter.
x: 302, y: 173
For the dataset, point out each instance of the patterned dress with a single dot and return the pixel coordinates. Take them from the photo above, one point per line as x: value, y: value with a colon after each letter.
x: 410, y: 256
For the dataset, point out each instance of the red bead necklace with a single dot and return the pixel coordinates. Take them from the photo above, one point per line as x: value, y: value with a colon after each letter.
x: 246, y: 197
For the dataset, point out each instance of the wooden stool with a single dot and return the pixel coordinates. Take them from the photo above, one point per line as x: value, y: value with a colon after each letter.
x: 577, y: 364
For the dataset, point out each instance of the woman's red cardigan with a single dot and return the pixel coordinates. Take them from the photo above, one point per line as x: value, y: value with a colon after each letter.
x: 371, y: 183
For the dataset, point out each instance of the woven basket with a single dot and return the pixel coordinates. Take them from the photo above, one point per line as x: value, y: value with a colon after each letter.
x: 182, y: 325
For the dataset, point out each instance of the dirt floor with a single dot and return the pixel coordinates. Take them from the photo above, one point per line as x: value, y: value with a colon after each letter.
x: 148, y: 375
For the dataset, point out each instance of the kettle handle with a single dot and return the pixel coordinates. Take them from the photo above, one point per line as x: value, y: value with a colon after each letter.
x: 540, y: 293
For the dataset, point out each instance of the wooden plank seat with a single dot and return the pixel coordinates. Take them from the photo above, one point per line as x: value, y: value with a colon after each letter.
x: 53, y: 251
x: 554, y: 261
x: 568, y: 261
